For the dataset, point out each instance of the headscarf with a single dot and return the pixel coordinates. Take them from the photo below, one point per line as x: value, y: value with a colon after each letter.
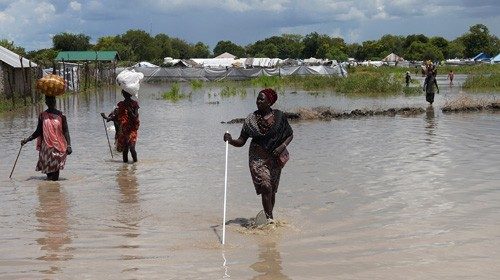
x: 270, y: 95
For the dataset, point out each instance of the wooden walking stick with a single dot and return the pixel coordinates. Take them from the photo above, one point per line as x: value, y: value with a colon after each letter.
x: 15, y: 162
x: 107, y: 136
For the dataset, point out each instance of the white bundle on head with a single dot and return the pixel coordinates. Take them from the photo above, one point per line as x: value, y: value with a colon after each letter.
x: 129, y: 81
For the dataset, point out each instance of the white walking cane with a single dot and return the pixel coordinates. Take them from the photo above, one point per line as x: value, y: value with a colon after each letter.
x: 225, y: 192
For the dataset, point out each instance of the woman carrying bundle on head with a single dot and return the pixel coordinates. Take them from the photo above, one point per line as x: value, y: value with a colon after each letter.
x: 126, y: 115
x: 271, y: 134
x: 52, y: 133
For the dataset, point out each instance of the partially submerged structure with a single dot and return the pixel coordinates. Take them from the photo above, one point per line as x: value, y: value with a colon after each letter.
x: 94, y: 67
x: 17, y: 74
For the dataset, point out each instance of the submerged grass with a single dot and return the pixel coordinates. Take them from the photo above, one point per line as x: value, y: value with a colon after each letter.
x: 174, y: 94
x: 357, y: 83
x: 19, y: 102
x: 229, y: 91
x: 196, y: 84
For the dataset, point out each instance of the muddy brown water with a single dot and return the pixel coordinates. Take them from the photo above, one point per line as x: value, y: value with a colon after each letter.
x: 368, y: 198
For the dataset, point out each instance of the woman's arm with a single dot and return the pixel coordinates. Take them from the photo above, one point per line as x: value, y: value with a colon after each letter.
x: 65, y: 129
x: 240, y: 142
x: 283, y: 146
x: 38, y: 132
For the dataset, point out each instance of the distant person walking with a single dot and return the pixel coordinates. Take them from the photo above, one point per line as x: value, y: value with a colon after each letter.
x: 271, y: 134
x: 407, y: 78
x: 429, y: 83
x: 451, y: 75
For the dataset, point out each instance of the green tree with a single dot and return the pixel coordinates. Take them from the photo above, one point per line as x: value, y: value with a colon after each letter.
x: 391, y: 44
x: 354, y: 50
x: 287, y: 45
x: 181, y: 47
x: 200, y: 50
x: 441, y: 43
x: 335, y: 53
x: 141, y: 45
x: 10, y: 46
x: 270, y: 50
x: 455, y: 49
x: 71, y: 42
x: 114, y: 43
x: 164, y: 44
x: 372, y: 50
x: 292, y: 46
x: 423, y: 51
x: 230, y: 47
x: 43, y: 57
x: 311, y: 45
x: 414, y: 38
x: 478, y: 40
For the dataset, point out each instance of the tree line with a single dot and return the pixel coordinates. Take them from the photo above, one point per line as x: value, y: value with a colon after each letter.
x: 138, y: 45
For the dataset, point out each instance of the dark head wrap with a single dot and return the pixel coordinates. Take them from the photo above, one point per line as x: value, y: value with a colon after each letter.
x: 270, y: 94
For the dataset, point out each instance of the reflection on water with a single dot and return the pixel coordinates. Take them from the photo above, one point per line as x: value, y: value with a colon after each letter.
x: 269, y: 264
x: 368, y: 198
x: 129, y: 209
x: 430, y: 123
x: 52, y: 216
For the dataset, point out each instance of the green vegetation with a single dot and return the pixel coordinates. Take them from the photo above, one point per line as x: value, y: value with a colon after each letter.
x: 483, y: 82
x: 266, y: 82
x: 233, y: 90
x: 17, y: 103
x: 139, y: 45
x: 196, y: 84
x: 174, y: 94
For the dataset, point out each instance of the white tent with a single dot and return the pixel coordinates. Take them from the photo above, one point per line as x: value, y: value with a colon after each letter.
x: 144, y: 64
x: 225, y: 55
x: 496, y: 59
x: 392, y: 58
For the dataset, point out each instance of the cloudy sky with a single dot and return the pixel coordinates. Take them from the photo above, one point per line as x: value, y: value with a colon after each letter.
x: 32, y: 23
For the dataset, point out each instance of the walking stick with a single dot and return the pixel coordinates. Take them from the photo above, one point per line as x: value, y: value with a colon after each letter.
x: 107, y: 136
x: 225, y: 192
x: 15, y: 162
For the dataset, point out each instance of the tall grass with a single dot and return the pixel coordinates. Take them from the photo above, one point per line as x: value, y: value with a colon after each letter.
x: 174, y: 94
x: 361, y: 82
x: 483, y: 82
x: 196, y: 84
x: 267, y: 82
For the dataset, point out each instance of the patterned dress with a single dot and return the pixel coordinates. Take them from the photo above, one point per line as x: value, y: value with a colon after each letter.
x: 267, y: 134
x: 51, y: 144
x: 126, y: 134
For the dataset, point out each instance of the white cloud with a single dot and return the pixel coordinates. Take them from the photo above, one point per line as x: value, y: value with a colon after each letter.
x: 227, y: 5
x: 44, y: 12
x: 95, y: 5
x: 75, y: 6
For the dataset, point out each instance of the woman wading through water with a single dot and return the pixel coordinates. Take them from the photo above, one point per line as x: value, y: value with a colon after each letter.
x: 126, y: 114
x: 271, y: 134
x: 53, y: 142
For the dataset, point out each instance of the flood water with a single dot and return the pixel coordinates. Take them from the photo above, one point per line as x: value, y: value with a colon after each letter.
x: 367, y: 198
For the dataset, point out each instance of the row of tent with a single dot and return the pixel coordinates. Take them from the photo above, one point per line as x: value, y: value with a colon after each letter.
x: 227, y: 60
